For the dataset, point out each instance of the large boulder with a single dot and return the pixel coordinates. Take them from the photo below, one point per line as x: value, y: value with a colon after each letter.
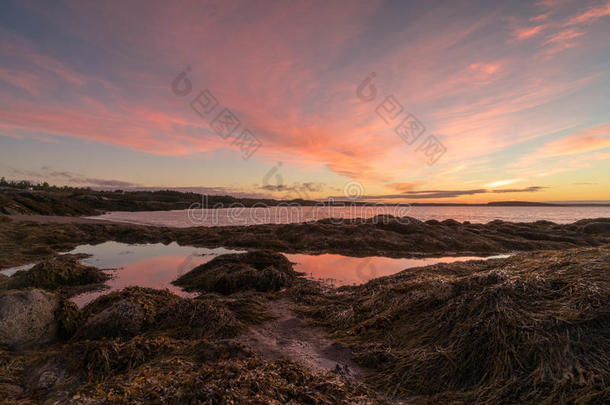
x: 27, y: 318
x: 121, y: 319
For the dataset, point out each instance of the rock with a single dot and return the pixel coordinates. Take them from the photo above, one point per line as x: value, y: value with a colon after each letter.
x: 60, y: 273
x: 27, y: 318
x: 122, y: 319
x: 230, y: 273
x: 597, y: 228
x: 450, y: 222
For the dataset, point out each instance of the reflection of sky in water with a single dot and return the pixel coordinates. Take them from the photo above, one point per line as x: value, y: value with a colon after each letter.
x: 240, y: 216
x: 156, y: 265
x: 145, y: 265
x: 346, y: 270
x: 13, y: 270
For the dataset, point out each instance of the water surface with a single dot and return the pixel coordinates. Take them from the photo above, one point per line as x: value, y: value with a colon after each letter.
x: 157, y: 265
x: 240, y: 216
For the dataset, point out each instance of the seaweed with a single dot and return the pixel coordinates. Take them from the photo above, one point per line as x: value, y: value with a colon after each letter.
x: 533, y: 328
x: 226, y: 274
x: 239, y: 380
x: 135, y: 310
x: 63, y: 274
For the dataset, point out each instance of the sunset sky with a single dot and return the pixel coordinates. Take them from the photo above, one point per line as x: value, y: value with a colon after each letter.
x: 517, y: 94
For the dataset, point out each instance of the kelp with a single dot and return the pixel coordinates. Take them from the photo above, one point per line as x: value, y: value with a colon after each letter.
x: 227, y: 274
x: 63, y: 274
x: 136, y: 310
x: 533, y: 328
x: 238, y: 380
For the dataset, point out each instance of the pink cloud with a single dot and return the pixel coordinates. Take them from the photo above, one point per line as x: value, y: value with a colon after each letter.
x: 585, y: 141
x: 528, y: 32
x: 591, y: 15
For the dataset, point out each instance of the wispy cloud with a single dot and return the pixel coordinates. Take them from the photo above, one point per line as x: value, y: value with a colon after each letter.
x: 584, y: 141
x: 441, y: 194
x: 591, y: 15
x: 500, y: 183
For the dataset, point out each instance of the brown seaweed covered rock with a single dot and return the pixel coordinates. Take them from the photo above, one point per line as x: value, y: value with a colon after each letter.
x: 61, y: 273
x: 227, y: 274
x: 27, y: 318
x: 135, y: 310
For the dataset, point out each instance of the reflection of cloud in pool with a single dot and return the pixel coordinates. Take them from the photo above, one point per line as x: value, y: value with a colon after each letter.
x: 345, y: 270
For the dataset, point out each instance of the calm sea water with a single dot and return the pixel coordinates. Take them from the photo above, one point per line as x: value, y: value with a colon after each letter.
x: 281, y: 215
x: 157, y: 265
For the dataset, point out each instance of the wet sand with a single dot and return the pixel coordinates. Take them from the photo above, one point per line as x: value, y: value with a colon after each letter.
x: 289, y: 335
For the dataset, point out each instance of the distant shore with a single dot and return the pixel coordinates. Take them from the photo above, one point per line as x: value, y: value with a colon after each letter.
x: 66, y: 201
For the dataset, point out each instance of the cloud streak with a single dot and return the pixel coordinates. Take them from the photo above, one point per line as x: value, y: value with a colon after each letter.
x: 441, y: 194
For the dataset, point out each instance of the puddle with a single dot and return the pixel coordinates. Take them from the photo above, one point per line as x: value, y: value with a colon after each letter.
x: 156, y: 265
x: 13, y: 270
x: 340, y: 270
x: 146, y: 265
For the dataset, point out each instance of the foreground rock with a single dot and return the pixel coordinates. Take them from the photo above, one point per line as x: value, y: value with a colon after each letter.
x: 533, y: 328
x: 135, y: 311
x: 27, y: 318
x: 63, y: 274
x: 226, y: 274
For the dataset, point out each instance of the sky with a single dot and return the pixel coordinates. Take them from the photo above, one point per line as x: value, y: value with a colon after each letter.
x: 395, y: 101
